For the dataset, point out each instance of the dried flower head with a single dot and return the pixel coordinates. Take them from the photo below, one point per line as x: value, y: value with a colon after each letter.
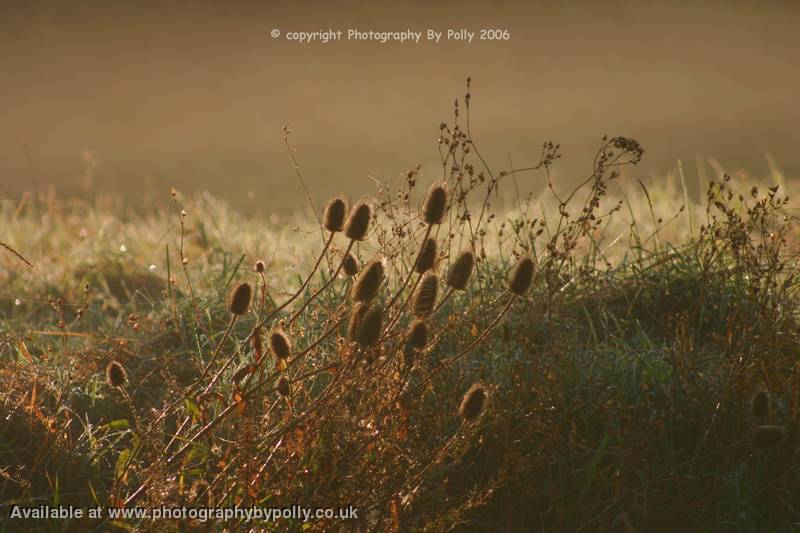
x: 424, y: 299
x: 239, y: 300
x: 259, y: 267
x: 760, y: 403
x: 284, y: 387
x: 368, y: 282
x: 767, y: 436
x: 427, y: 256
x: 417, y: 336
x: 521, y: 276
x: 435, y: 204
x: 334, y: 213
x: 356, y: 314
x: 357, y: 223
x: 461, y: 271
x: 350, y: 264
x: 368, y: 330
x: 115, y: 374
x: 280, y: 344
x: 474, y: 402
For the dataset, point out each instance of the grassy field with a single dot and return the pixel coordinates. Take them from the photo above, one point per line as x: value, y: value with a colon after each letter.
x: 643, y: 376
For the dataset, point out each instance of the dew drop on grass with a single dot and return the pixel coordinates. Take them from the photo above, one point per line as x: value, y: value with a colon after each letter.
x: 151, y: 268
x: 17, y: 302
x: 123, y: 248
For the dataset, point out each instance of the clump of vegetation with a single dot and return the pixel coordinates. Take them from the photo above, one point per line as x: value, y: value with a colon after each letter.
x: 616, y: 369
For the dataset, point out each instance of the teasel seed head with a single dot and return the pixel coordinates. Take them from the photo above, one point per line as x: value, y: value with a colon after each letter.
x: 350, y: 264
x: 356, y: 314
x: 357, y: 223
x: 424, y: 299
x: 427, y: 256
x: 284, y: 387
x: 767, y: 436
x: 280, y: 344
x: 368, y: 282
x: 368, y: 330
x: 334, y: 214
x: 521, y: 276
x: 761, y: 403
x: 115, y: 374
x: 239, y: 300
x: 435, y: 204
x: 259, y: 267
x: 461, y: 271
x: 258, y: 343
x: 417, y: 336
x: 474, y: 402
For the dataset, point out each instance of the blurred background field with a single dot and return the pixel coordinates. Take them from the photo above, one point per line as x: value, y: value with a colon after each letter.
x: 115, y: 97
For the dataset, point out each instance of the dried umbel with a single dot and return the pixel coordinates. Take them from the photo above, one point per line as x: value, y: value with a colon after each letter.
x: 474, y: 402
x: 521, y: 276
x: 334, y: 213
x: 350, y: 264
x: 461, y: 271
x: 427, y: 256
x: 368, y: 330
x: 357, y: 223
x: 760, y: 404
x: 284, y: 388
x: 356, y: 314
x: 767, y: 436
x: 259, y: 267
x: 417, y: 336
x: 239, y: 300
x: 435, y: 204
x: 280, y: 344
x: 425, y: 296
x: 368, y: 282
x: 115, y: 374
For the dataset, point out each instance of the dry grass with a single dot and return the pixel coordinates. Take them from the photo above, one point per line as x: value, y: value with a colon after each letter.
x: 609, y: 386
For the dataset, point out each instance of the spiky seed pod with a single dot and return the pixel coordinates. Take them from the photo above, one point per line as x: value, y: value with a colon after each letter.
x: 417, y: 336
x: 284, y: 388
x: 259, y: 267
x: 334, y: 213
x: 280, y: 344
x: 760, y: 404
x: 461, y: 271
x: 368, y: 282
x: 767, y: 436
x: 368, y: 330
x: 357, y: 223
x: 350, y: 264
x: 424, y: 299
x: 258, y: 343
x: 435, y: 204
x: 521, y: 276
x: 427, y: 256
x: 474, y: 402
x: 239, y: 300
x: 356, y: 314
x: 115, y: 374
